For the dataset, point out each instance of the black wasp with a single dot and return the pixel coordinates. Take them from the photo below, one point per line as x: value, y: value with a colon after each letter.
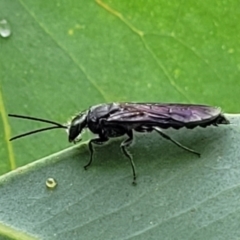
x: 116, y: 119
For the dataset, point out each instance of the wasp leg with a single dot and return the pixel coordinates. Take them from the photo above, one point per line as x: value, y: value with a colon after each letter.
x: 158, y: 130
x: 98, y: 141
x: 126, y: 143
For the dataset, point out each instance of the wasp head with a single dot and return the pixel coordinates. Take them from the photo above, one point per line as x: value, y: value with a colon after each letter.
x: 76, y: 127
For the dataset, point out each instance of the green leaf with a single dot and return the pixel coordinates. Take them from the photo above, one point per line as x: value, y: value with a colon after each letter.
x: 63, y: 57
x: 178, y: 195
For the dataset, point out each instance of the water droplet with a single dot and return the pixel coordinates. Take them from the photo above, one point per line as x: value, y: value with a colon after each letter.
x: 51, y: 183
x: 5, y: 30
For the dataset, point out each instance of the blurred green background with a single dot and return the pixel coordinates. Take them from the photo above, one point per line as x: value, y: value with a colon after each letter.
x: 64, y: 56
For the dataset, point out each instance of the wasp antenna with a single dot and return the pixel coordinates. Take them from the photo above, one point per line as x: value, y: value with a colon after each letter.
x: 35, y: 131
x: 37, y: 119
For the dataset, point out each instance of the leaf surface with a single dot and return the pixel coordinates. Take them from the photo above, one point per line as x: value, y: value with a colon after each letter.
x: 178, y: 195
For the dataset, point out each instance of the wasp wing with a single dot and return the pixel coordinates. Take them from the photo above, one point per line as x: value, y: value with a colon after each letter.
x: 167, y: 115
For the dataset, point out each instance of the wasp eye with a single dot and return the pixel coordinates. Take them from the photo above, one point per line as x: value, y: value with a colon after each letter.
x: 76, y: 126
x: 73, y: 132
